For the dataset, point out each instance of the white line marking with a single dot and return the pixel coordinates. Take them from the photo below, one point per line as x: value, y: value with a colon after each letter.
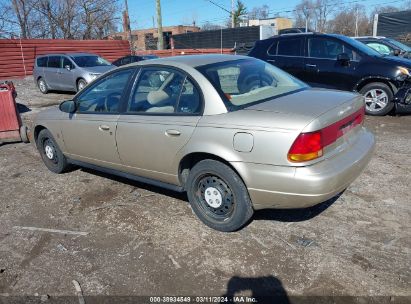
x: 51, y: 230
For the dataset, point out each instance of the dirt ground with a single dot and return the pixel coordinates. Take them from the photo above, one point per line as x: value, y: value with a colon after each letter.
x: 142, y: 240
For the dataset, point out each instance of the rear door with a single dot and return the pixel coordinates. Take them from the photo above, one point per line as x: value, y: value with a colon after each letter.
x: 322, y: 69
x: 51, y: 72
x: 287, y: 54
x: 159, y: 119
x: 89, y: 133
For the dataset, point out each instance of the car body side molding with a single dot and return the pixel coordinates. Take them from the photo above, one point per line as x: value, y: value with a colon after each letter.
x: 127, y: 175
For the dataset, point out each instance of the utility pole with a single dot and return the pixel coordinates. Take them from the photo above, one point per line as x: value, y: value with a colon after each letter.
x: 159, y: 26
x: 126, y: 23
x: 232, y: 14
x: 356, y: 22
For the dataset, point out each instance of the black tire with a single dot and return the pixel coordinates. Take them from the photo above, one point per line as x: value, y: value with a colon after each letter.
x: 81, y: 83
x: 54, y: 159
x: 42, y: 85
x: 371, y: 105
x: 225, y: 187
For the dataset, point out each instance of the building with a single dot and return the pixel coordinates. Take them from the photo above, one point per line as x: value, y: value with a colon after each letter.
x: 277, y: 23
x: 147, y: 39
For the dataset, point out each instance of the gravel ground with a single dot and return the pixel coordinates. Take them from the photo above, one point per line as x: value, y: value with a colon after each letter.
x: 142, y: 240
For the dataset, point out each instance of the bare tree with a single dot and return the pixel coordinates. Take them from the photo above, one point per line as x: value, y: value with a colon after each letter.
x: 208, y: 26
x: 260, y: 12
x: 322, y: 9
x: 303, y: 14
x: 346, y: 21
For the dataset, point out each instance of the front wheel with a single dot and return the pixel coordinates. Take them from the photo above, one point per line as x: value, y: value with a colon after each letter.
x: 51, y: 154
x: 81, y: 84
x: 218, y: 196
x: 378, y: 98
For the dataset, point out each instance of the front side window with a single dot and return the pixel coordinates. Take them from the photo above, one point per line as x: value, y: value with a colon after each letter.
x: 248, y: 81
x: 126, y: 60
x: 289, y: 47
x: 54, y: 62
x: 88, y: 61
x: 324, y: 48
x: 67, y: 62
x: 380, y: 48
x: 164, y: 91
x: 105, y: 95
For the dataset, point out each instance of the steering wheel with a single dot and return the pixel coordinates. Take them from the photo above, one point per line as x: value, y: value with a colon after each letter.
x: 112, y: 100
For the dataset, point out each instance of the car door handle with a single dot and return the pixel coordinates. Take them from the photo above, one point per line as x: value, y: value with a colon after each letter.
x: 104, y: 128
x: 173, y: 133
x: 271, y: 60
x: 311, y: 65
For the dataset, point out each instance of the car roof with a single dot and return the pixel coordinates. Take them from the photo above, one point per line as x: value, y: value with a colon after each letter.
x: 67, y: 54
x: 192, y: 60
x: 370, y: 37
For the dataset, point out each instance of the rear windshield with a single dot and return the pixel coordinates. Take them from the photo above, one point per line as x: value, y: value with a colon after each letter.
x: 244, y: 82
x: 90, y: 61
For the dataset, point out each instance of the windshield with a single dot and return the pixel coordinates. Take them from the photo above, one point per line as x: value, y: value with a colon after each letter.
x: 400, y: 45
x: 248, y: 81
x: 90, y: 61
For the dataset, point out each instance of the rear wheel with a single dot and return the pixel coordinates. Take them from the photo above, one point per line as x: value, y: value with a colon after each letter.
x: 42, y: 86
x: 378, y: 98
x: 218, y: 196
x: 51, y: 154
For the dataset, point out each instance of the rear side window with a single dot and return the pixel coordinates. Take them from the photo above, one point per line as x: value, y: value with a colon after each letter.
x: 42, y: 62
x: 54, y: 62
x: 290, y: 47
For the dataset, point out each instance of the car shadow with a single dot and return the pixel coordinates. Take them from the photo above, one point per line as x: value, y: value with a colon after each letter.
x: 280, y: 215
x: 295, y: 215
x: 22, y: 108
x: 140, y: 185
x: 267, y: 289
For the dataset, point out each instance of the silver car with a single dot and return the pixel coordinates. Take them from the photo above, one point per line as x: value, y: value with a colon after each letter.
x: 68, y: 72
x: 235, y: 133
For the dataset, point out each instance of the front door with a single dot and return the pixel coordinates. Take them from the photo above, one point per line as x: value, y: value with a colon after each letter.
x: 160, y: 118
x: 66, y: 75
x: 89, y: 133
x: 322, y: 69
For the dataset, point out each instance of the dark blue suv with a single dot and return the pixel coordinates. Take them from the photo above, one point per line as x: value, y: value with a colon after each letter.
x: 339, y: 62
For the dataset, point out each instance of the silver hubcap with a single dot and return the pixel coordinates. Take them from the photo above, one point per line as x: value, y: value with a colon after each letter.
x: 49, y: 152
x: 42, y: 86
x: 81, y: 85
x: 213, y: 197
x: 376, y: 100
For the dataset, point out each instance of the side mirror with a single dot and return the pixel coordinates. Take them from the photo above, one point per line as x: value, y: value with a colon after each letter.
x: 343, y: 58
x: 67, y: 67
x: 68, y: 106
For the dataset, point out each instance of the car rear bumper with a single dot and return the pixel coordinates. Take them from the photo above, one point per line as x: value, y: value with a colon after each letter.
x: 300, y: 187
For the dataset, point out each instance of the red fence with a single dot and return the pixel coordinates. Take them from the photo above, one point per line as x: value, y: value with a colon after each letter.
x: 17, y: 56
x: 178, y: 52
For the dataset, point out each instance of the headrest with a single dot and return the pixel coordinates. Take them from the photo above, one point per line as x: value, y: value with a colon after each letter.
x: 156, y: 98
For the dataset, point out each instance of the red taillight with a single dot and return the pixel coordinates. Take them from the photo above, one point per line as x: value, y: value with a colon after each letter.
x: 307, y: 146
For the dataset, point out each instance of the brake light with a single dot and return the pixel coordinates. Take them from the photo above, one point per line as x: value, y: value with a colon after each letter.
x: 307, y: 146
